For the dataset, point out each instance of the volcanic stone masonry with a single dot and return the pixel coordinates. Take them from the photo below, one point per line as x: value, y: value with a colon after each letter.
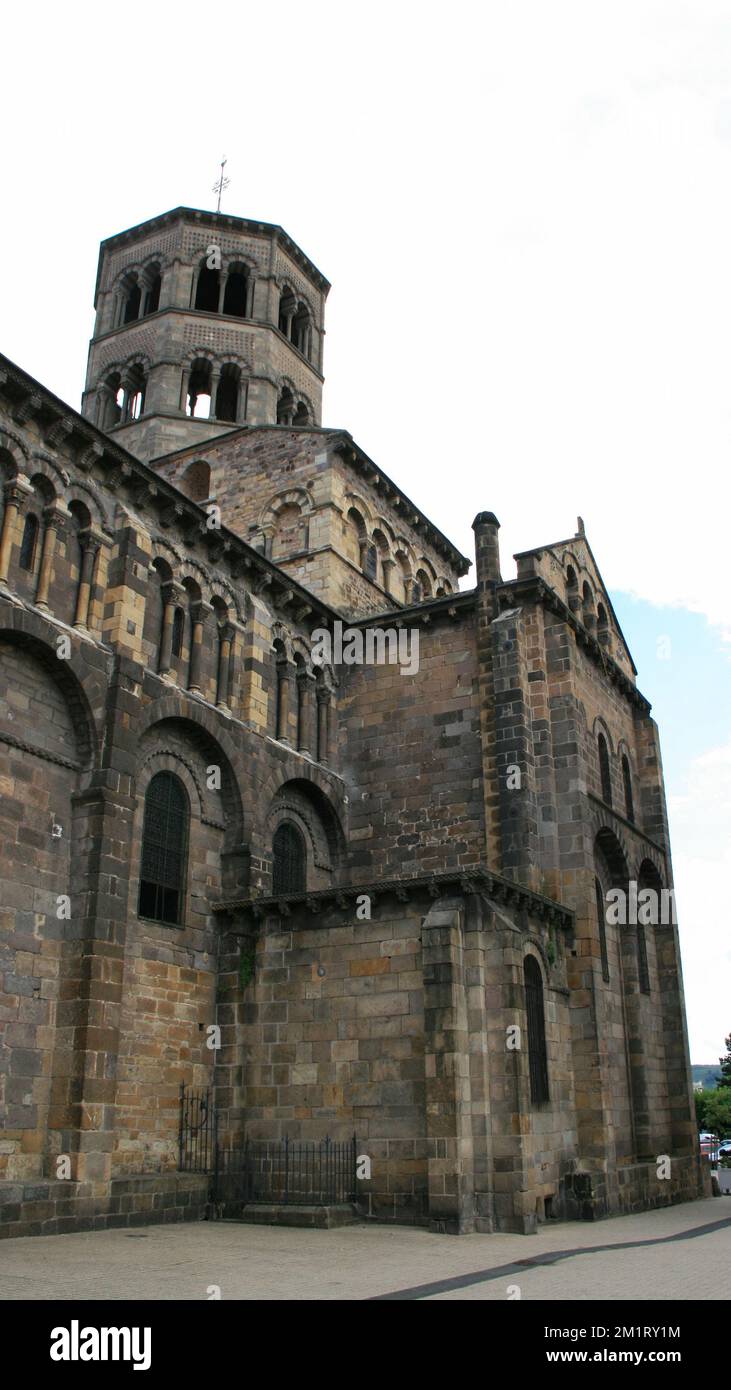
x: 313, y: 900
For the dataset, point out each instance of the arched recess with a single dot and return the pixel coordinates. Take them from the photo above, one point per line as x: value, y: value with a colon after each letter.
x: 604, y: 755
x: 623, y: 1079
x: 179, y: 744
x: 627, y: 783
x: 303, y: 804
x: 612, y: 870
x: 48, y: 746
x: 195, y: 482
x: 536, y: 1031
x: 664, y: 1013
x: 355, y: 535
x: 290, y: 526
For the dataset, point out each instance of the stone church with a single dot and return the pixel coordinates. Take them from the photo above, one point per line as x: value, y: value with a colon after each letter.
x: 317, y: 900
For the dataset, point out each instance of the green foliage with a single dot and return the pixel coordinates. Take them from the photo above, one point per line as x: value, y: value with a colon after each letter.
x: 246, y: 968
x: 713, y: 1109
x: 725, y: 1077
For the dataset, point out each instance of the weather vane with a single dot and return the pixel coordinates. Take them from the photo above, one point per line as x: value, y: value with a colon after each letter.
x: 220, y: 184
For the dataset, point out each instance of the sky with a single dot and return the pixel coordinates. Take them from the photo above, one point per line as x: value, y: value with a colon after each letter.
x: 525, y: 213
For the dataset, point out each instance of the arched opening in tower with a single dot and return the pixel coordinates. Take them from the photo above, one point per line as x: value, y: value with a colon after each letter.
x: 198, y: 404
x: 227, y: 395
x: 234, y: 299
x: 207, y: 290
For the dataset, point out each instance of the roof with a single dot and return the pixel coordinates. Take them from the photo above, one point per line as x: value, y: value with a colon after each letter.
x: 357, y: 457
x: 222, y: 221
x: 581, y: 536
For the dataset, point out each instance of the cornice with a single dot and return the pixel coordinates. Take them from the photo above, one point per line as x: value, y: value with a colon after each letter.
x: 343, y: 444
x: 91, y: 450
x: 220, y: 221
x: 429, y: 886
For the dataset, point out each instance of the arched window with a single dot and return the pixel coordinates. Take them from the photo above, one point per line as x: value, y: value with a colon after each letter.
x: 629, y: 804
x: 424, y: 582
x: 208, y: 289
x: 237, y: 285
x: 301, y: 414
x: 370, y: 561
x: 289, y: 869
x: 604, y: 772
x: 178, y: 627
x: 196, y: 481
x: 153, y: 294
x: 287, y: 309
x: 135, y: 385
x: 537, y: 1056
x: 198, y: 403
x: 602, y: 923
x: 132, y: 296
x: 602, y: 624
x: 285, y: 407
x: 301, y: 329
x: 164, y: 850
x: 29, y: 542
x: 588, y: 614
x: 227, y: 395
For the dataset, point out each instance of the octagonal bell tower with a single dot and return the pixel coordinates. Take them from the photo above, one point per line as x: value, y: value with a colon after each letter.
x: 204, y: 323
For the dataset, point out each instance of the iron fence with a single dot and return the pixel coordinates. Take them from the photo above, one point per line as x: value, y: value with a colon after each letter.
x: 279, y: 1172
x: 197, y: 1131
x: 284, y: 1172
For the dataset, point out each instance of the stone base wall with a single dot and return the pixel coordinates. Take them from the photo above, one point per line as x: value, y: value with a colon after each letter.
x: 49, y: 1207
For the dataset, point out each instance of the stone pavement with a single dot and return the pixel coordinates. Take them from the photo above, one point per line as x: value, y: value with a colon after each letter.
x: 681, y: 1252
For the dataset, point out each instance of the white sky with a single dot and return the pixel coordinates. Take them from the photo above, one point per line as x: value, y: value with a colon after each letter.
x: 524, y: 209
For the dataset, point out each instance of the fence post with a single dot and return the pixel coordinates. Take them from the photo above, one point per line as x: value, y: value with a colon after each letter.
x: 286, y: 1168
x: 180, y: 1127
x: 215, y: 1156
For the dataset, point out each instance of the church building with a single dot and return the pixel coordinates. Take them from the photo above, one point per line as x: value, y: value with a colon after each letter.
x: 291, y: 928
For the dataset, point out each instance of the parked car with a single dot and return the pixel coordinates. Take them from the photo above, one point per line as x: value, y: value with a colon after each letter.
x: 724, y: 1148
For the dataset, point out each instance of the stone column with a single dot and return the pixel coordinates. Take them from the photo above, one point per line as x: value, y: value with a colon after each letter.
x: 198, y: 613
x: 172, y: 595
x: 285, y: 681
x: 184, y: 391
x: 222, y: 278
x: 215, y: 379
x: 90, y: 545
x: 53, y: 517
x: 307, y: 730
x: 323, y: 726
x: 487, y: 564
x: 225, y: 642
x: 17, y: 493
x: 447, y: 1068
x: 250, y: 283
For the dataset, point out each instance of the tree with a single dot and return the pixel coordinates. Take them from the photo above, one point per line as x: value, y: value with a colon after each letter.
x: 713, y: 1109
x: 725, y: 1077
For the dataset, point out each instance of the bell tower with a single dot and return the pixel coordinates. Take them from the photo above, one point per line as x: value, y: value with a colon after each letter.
x: 204, y: 323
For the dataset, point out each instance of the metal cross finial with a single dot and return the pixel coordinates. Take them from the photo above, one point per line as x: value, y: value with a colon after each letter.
x: 221, y: 184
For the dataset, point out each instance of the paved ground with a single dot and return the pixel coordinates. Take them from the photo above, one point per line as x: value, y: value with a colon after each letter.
x: 679, y: 1253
